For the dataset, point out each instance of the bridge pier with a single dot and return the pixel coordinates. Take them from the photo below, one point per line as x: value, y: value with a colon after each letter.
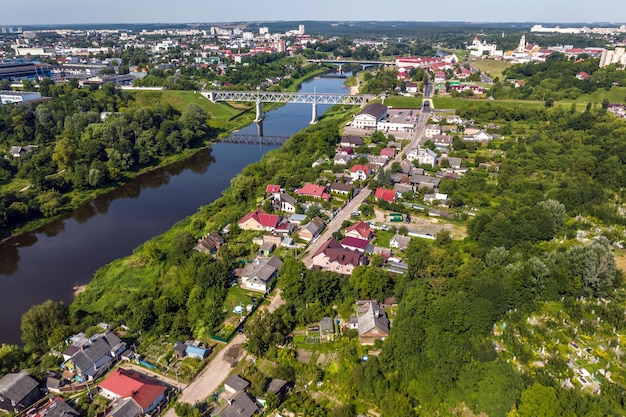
x: 314, y: 114
x: 259, y: 128
x: 259, y: 111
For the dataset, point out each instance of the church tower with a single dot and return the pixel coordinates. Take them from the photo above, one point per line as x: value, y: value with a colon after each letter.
x: 522, y: 44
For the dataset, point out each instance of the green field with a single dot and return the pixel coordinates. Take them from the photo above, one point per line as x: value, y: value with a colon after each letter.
x: 491, y: 67
x: 181, y: 99
x: 615, y: 95
x: 463, y: 103
x: 404, y: 102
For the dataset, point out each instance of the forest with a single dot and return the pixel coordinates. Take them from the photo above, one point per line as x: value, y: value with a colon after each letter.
x: 84, y: 141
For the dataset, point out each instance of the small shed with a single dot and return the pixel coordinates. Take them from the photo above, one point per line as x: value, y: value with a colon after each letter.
x: 180, y: 349
x: 196, y: 352
x: 235, y: 383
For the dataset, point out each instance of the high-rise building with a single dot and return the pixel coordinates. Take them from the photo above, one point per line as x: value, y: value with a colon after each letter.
x: 301, y: 29
x: 617, y: 56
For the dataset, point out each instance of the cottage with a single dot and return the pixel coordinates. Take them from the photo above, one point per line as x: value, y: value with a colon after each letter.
x: 209, y: 244
x: 258, y: 275
x: 148, y: 393
x: 259, y: 220
x: 18, y: 151
x: 387, y: 152
x: 386, y: 195
x: 432, y: 130
x: 400, y: 242
x: 57, y: 407
x: 312, y: 229
x: 314, y: 191
x: 351, y: 141
x: 359, y: 172
x: 286, y: 203
x: 95, y: 356
x: 239, y: 406
x: 18, y: 392
x: 360, y: 230
x: 341, y: 188
x: 126, y: 407
x: 443, y: 142
x: 372, y: 322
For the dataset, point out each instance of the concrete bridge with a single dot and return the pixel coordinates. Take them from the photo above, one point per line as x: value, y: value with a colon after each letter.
x: 273, y: 97
x: 363, y: 63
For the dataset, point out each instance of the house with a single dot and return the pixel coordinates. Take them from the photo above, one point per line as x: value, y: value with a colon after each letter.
x: 258, y: 275
x: 239, y: 406
x: 386, y: 195
x: 197, y: 352
x: 402, y: 188
x: 297, y: 218
x: 210, y: 243
x: 235, y: 384
x: 387, y: 152
x: 372, y: 322
x: 267, y: 248
x: 400, y: 242
x: 359, y: 172
x: 341, y: 188
x: 180, y: 349
x: 57, y: 407
x: 582, y: 75
x: 431, y: 198
x: 443, y: 142
x: 314, y: 191
x: 360, y: 245
x: 342, y: 159
x: 259, y: 220
x: 312, y: 229
x: 440, y: 77
x: 454, y: 163
x: 351, y: 141
x: 424, y: 156
x: 454, y: 120
x: 95, y: 356
x: 286, y: 203
x: 478, y: 137
x: 18, y: 391
x: 410, y: 87
x: 272, y: 189
x: 425, y: 181
x: 327, y: 329
x: 278, y: 387
x: 432, y: 130
x: 285, y: 228
x: 126, y: 407
x: 360, y: 230
x: 17, y: 151
x: 369, y: 117
x: 377, y: 160
x: 148, y: 393
x: 332, y: 256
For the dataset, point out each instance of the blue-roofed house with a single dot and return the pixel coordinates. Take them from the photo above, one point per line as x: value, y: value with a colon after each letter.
x: 197, y: 352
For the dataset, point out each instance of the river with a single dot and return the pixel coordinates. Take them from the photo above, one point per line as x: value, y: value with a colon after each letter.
x: 51, y: 261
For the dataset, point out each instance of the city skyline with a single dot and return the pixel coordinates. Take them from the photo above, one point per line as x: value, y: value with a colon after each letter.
x: 36, y: 12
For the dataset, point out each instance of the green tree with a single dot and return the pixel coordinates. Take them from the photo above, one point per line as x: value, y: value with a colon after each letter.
x: 40, y: 321
x: 538, y: 401
x: 10, y: 358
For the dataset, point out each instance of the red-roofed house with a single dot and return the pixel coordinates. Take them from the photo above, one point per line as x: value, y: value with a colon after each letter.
x: 384, y: 194
x: 360, y: 172
x: 388, y: 152
x: 582, y: 75
x: 123, y: 383
x: 360, y: 230
x: 272, y: 189
x: 440, y: 77
x: 313, y: 190
x: 259, y: 220
x: 335, y: 258
x: 360, y: 245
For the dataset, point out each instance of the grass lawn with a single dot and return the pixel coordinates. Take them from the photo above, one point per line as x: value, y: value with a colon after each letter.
x: 463, y: 103
x: 16, y: 184
x: 181, y: 99
x: 491, y: 67
x: 404, y: 102
x: 615, y: 95
x: 383, y: 237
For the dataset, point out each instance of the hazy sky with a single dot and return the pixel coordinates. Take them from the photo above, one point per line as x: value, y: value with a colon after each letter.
x: 24, y: 12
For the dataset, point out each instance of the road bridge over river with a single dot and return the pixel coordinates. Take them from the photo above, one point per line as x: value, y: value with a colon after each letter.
x: 275, y: 97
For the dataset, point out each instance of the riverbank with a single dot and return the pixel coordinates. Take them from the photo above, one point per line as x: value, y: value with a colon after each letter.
x: 232, y: 124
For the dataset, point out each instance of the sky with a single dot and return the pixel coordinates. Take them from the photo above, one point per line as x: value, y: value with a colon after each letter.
x: 54, y: 12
